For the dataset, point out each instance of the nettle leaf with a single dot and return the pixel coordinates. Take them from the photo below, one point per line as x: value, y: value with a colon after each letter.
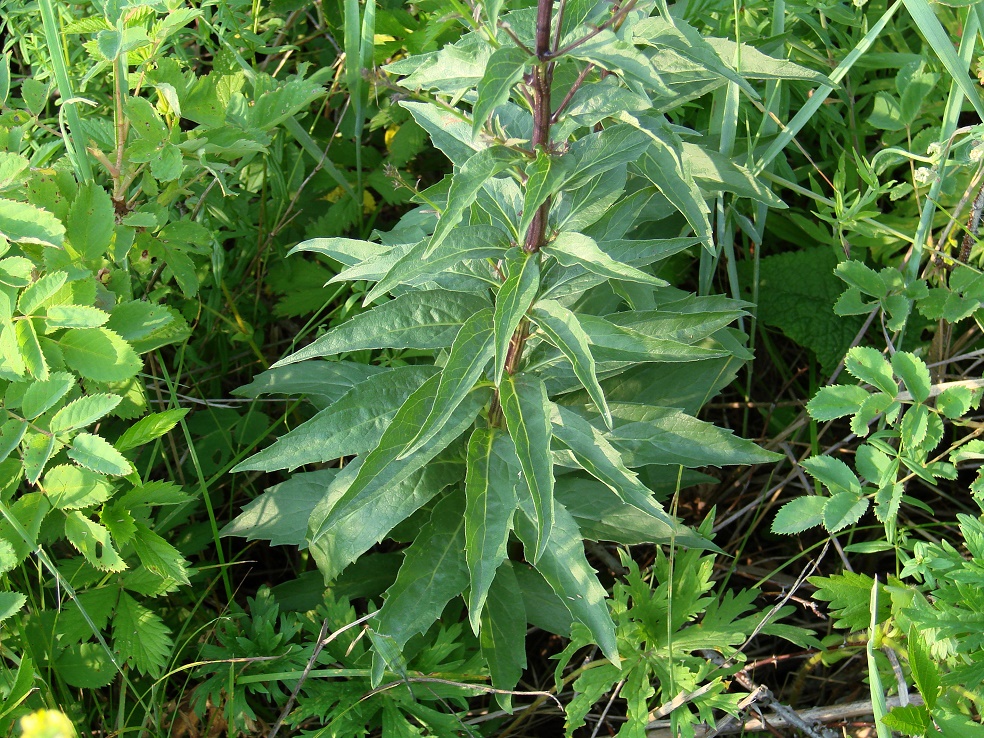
x: 433, y: 572
x: 526, y: 410
x: 576, y: 249
x: 93, y: 541
x: 564, y: 331
x: 352, y: 425
x: 82, y: 412
x: 471, y: 352
x: 914, y: 374
x: 513, y: 300
x: 566, y: 570
x: 42, y: 396
x: 421, y: 320
x: 465, y: 185
x: 868, y: 365
x: 493, y: 470
x: 505, y: 69
x: 96, y: 453
x: 141, y: 636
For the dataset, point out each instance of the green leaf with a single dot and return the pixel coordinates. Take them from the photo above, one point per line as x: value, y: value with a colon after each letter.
x: 868, y: 365
x: 544, y: 176
x: 925, y: 671
x: 96, y: 453
x: 13, y: 167
x: 842, y: 510
x: 466, y: 242
x: 833, y: 473
x: 71, y: 488
x: 511, y: 303
x: 909, y: 719
x: 40, y: 291
x: 849, y: 595
x: 525, y: 408
x: 954, y: 402
x: 90, y: 221
x: 658, y: 435
x: 566, y: 570
x: 92, y: 540
x: 99, y: 354
x: 610, y: 342
x: 352, y: 425
x: 366, y: 500
x: 421, y: 320
x: 470, y: 354
x: 490, y: 501
x: 159, y: 556
x: 141, y: 637
x: 465, y: 184
x: 602, y: 461
x: 564, y: 331
x: 576, y: 249
x: 914, y: 374
x: 433, y: 572
x: 11, y: 361
x: 74, y: 316
x: 11, y: 434
x: 38, y: 450
x: 800, y: 514
x: 11, y: 604
x: 863, y: 277
x: 503, y: 633
x: 280, y: 515
x: 42, y: 396
x: 150, y: 428
x: 836, y: 401
x: 505, y: 68
x: 328, y: 380
x: 30, y: 348
x: 86, y: 666
x: 22, y: 222
x: 82, y: 412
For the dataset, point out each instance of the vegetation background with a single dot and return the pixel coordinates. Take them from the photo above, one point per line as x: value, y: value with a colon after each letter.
x: 758, y: 222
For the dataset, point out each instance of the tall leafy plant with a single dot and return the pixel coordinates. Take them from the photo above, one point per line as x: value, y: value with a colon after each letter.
x: 560, y: 401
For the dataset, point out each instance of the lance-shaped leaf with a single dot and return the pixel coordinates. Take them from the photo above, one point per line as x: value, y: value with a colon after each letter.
x: 660, y: 435
x: 505, y: 69
x: 603, y: 461
x: 566, y: 570
x: 490, y: 501
x: 30, y: 348
x: 526, y: 409
x: 326, y: 380
x: 350, y: 426
x: 544, y: 176
x: 576, y: 249
x: 470, y: 354
x: 364, y: 504
x: 610, y: 342
x: 467, y: 242
x: 503, y: 635
x: 422, y: 320
x: 564, y: 331
x: 465, y: 185
x: 514, y: 299
x: 432, y: 573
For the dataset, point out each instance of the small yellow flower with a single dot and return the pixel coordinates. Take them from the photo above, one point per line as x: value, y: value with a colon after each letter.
x: 390, y: 135
x: 47, y: 724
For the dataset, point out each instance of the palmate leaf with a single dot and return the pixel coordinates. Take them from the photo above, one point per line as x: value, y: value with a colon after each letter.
x: 525, y: 408
x: 566, y: 570
x: 470, y: 353
x: 350, y: 426
x: 421, y: 320
x: 490, y: 501
x: 514, y: 299
x: 564, y: 331
x: 366, y: 500
x: 432, y: 573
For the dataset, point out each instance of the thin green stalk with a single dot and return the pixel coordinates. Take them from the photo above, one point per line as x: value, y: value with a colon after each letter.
x: 76, y: 149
